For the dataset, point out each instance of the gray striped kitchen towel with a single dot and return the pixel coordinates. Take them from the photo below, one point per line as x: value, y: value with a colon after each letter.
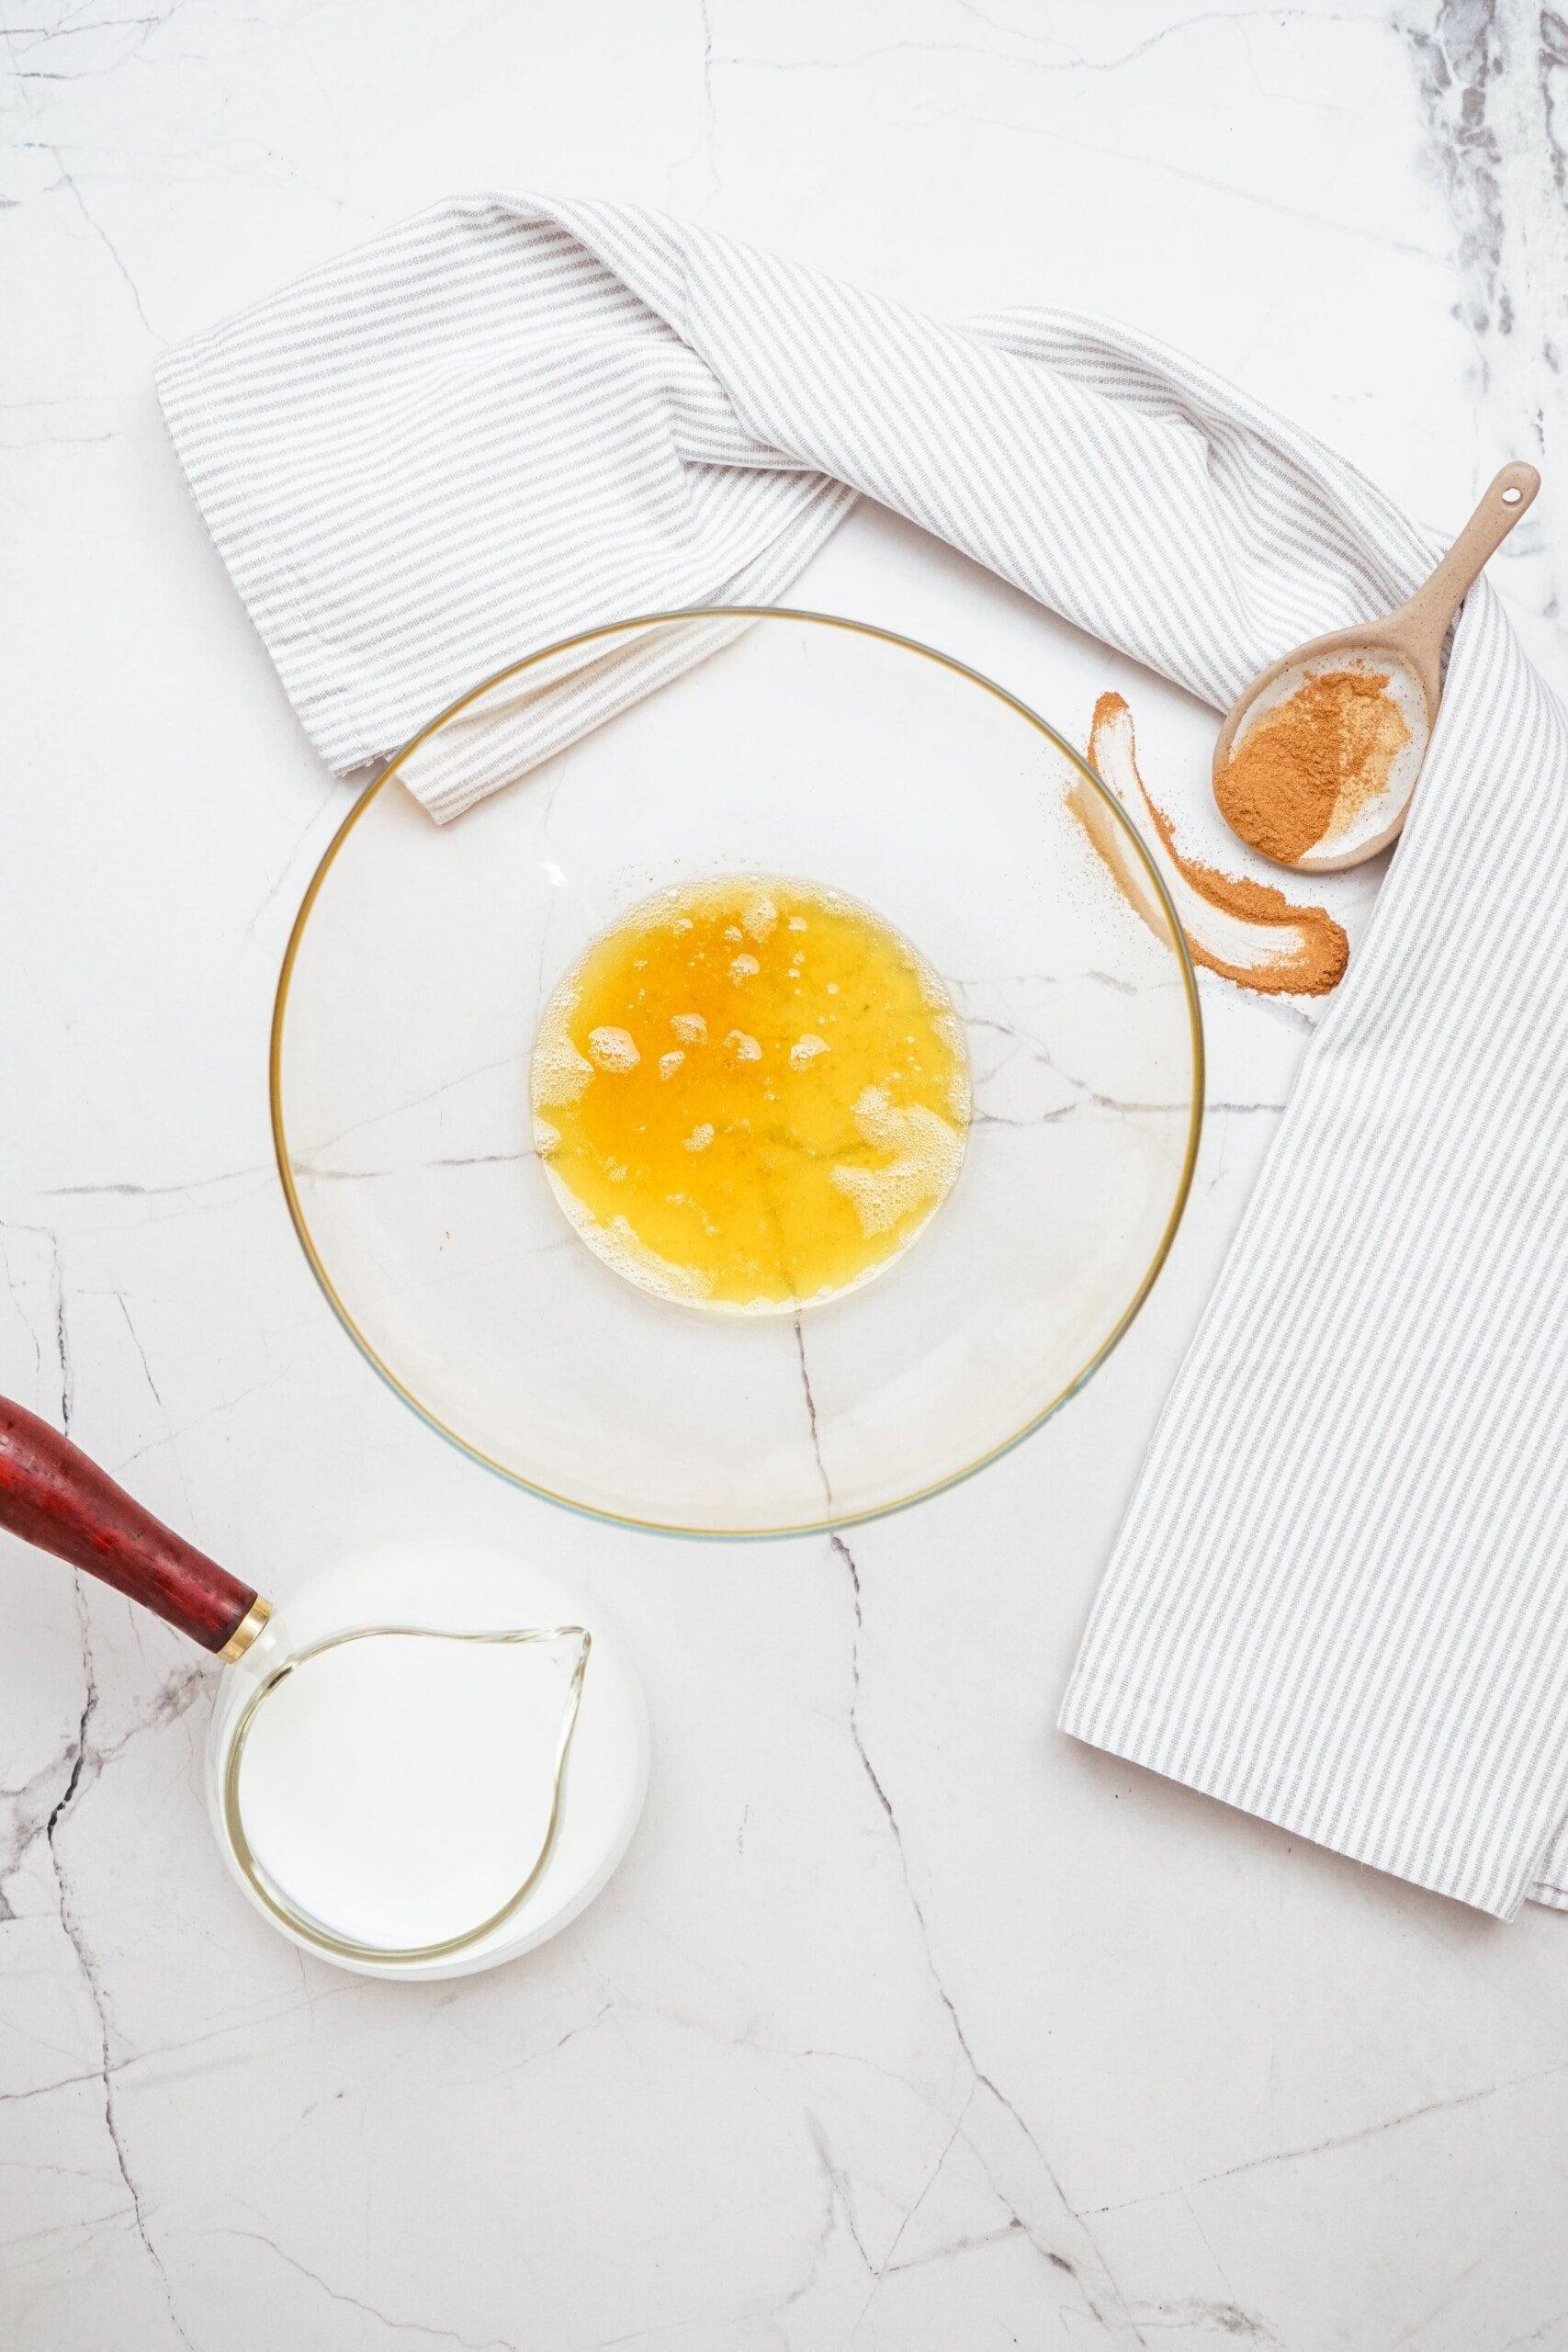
x: 1338, y: 1599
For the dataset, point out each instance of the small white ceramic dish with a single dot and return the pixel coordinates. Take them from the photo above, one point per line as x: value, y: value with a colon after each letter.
x: 470, y: 1588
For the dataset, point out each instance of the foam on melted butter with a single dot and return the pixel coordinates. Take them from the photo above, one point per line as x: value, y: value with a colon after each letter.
x: 751, y: 1094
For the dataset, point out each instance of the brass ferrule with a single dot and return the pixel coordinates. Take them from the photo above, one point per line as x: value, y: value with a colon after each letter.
x: 245, y: 1631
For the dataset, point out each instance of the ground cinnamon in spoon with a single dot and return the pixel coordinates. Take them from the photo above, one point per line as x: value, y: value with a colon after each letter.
x: 1313, y: 758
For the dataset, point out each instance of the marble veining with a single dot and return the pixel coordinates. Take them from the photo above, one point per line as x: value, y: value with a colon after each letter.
x: 906, y: 2024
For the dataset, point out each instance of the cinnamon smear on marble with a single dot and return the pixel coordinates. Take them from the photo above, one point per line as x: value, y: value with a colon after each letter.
x: 1245, y: 931
x: 1311, y: 762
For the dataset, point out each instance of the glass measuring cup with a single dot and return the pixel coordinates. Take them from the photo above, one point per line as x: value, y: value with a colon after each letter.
x: 369, y: 1769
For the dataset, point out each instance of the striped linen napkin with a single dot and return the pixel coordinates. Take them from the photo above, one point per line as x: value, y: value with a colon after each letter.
x: 1339, y: 1597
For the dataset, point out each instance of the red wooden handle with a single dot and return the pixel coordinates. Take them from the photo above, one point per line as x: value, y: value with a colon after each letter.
x: 52, y: 1495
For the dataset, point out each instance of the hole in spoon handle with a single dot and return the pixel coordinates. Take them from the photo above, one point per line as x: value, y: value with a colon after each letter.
x: 52, y: 1495
x: 1514, y: 489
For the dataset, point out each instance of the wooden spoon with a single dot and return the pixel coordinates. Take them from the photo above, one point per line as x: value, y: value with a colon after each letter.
x: 1408, y: 647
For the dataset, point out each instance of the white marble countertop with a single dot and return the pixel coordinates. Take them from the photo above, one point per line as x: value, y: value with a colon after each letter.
x: 907, y: 2023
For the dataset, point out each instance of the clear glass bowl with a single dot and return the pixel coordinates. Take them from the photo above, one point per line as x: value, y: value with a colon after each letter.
x: 775, y: 743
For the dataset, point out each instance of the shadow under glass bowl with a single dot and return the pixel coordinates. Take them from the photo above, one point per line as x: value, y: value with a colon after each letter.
x: 776, y: 742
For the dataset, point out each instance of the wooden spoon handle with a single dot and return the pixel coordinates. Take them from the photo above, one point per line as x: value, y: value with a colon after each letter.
x: 1424, y: 619
x: 52, y: 1495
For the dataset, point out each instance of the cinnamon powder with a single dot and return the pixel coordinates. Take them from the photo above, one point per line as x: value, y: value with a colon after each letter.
x: 1244, y: 931
x: 1314, y: 758
x: 1312, y: 968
